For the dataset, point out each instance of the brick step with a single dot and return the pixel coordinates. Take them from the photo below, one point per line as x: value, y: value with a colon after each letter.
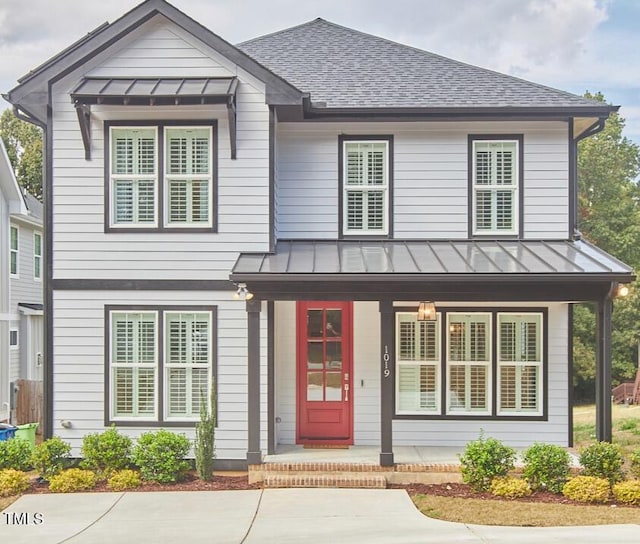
x: 342, y: 480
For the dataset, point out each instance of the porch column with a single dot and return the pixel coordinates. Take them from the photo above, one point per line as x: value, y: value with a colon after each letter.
x: 254, y: 455
x: 603, y: 369
x: 387, y: 365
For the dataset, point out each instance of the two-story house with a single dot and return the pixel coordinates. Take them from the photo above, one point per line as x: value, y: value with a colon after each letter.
x: 364, y: 243
x: 21, y: 273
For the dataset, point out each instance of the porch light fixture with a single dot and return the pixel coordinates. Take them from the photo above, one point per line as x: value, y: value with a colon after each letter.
x: 427, y: 311
x: 622, y: 290
x: 242, y: 293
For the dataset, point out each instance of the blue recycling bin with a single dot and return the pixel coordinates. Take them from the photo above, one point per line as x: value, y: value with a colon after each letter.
x: 7, y: 431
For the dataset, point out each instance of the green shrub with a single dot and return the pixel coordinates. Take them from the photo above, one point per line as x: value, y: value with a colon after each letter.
x: 635, y: 463
x: 603, y: 460
x: 160, y: 456
x: 15, y: 453
x: 628, y: 424
x: 13, y: 482
x: 74, y: 479
x: 510, y: 488
x: 50, y: 457
x: 106, y: 452
x: 627, y: 492
x: 124, y: 479
x: 205, y: 438
x: 485, y: 459
x: 546, y: 466
x: 587, y: 489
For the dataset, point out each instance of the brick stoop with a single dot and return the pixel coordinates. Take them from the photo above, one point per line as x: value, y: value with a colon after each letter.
x: 351, y: 475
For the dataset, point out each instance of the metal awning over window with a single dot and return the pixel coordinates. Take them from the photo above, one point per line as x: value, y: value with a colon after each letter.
x: 503, y: 267
x: 153, y: 92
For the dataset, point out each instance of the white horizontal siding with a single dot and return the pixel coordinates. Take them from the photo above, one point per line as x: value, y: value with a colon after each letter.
x: 430, y: 177
x: 24, y: 287
x: 79, y: 364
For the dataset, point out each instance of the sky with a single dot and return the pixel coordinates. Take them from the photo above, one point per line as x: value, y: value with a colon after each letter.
x: 574, y: 45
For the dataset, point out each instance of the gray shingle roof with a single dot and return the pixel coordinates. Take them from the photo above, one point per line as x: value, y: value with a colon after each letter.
x: 34, y: 206
x: 346, y: 68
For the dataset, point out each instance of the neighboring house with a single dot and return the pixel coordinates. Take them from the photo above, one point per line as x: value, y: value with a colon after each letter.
x: 341, y: 179
x: 21, y: 273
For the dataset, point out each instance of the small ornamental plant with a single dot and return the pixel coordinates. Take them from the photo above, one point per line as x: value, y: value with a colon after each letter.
x: 13, y: 482
x: 635, y: 463
x: 510, y: 488
x: 106, y: 452
x: 587, y: 489
x: 627, y: 492
x: 124, y: 479
x: 72, y: 480
x: 205, y: 438
x: 50, y: 457
x: 603, y: 460
x: 160, y: 456
x: 15, y: 453
x: 546, y: 467
x: 485, y: 459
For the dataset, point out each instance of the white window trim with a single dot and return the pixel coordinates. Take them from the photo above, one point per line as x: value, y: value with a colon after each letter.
x: 515, y: 188
x: 365, y: 189
x: 15, y: 346
x: 436, y: 363
x: 113, y: 178
x: 15, y: 252
x: 168, y: 366
x: 167, y: 177
x: 37, y: 257
x: 112, y: 386
x: 487, y: 364
x: 537, y: 364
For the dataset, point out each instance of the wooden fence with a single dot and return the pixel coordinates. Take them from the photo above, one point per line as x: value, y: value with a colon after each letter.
x: 29, y: 403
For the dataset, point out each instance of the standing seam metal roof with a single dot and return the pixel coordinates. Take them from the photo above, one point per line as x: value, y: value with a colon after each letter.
x: 345, y: 68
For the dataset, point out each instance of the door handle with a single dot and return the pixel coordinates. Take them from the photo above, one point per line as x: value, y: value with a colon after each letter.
x: 346, y: 392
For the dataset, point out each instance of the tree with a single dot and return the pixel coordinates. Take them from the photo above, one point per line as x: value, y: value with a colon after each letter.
x: 23, y: 142
x: 609, y: 215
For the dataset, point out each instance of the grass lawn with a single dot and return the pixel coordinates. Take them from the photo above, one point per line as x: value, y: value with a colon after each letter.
x: 626, y: 427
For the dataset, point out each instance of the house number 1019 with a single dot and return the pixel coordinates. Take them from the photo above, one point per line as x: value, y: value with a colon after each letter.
x: 386, y: 358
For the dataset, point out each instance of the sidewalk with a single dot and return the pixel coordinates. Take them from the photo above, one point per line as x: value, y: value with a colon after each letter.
x: 271, y: 516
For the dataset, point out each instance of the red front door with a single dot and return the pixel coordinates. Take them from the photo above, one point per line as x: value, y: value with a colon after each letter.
x: 325, y: 396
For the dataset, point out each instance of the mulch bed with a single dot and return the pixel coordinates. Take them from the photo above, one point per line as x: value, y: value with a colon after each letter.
x: 463, y: 491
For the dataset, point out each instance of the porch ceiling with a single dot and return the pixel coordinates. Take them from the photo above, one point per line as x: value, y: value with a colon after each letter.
x: 455, y: 270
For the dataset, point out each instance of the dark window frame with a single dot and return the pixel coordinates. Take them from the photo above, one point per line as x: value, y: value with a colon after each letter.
x: 160, y: 125
x: 342, y: 138
x: 493, y: 382
x: 159, y: 421
x: 519, y: 205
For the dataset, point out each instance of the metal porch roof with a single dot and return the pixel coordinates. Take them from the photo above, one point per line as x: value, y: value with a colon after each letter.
x: 464, y: 260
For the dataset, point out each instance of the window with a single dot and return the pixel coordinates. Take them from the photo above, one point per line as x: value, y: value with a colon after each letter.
x: 418, y: 364
x: 495, y: 174
x: 365, y: 178
x: 37, y: 256
x: 13, y: 338
x: 519, y: 362
x: 13, y: 252
x: 491, y: 364
x: 161, y: 177
x: 160, y: 363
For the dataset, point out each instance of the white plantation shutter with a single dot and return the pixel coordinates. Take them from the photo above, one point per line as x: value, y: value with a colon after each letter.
x: 133, y: 175
x: 189, y: 175
x: 133, y: 364
x: 417, y: 360
x: 520, y: 362
x: 366, y: 185
x: 188, y: 349
x: 469, y: 362
x: 495, y: 178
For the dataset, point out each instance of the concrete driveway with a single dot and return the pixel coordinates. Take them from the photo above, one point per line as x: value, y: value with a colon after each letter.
x: 277, y: 516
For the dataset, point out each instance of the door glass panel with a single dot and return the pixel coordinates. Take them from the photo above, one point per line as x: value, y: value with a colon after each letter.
x: 314, y: 355
x: 314, y: 323
x: 334, y: 356
x: 314, y: 385
x: 334, y: 323
x: 333, y: 390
